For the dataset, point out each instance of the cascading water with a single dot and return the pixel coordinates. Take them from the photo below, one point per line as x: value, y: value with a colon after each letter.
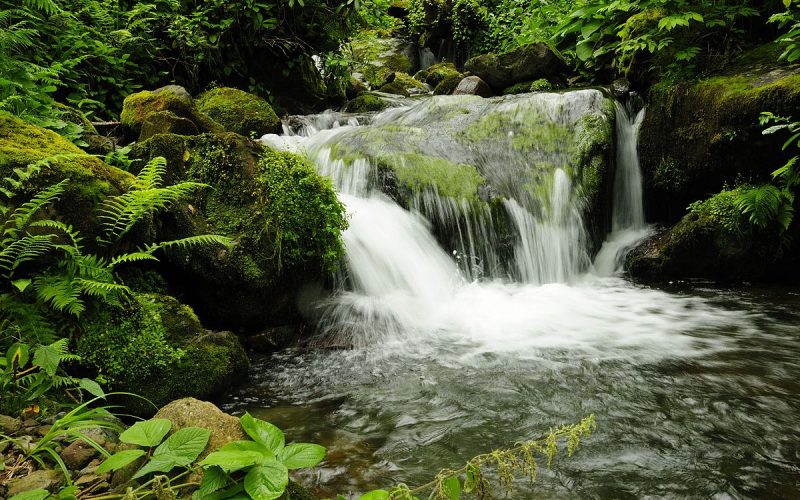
x: 475, y: 321
x: 628, y: 225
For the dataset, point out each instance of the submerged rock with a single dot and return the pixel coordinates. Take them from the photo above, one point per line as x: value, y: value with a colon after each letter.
x: 526, y: 63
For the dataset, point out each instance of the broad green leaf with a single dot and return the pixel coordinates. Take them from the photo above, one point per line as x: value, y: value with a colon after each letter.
x: 452, y: 488
x: 147, y: 433
x: 267, y: 481
x: 92, y: 387
x: 18, y: 355
x: 156, y: 464
x: 119, y: 460
x: 375, y: 495
x: 214, y: 478
x: 232, y: 460
x: 37, y: 494
x: 584, y: 51
x: 22, y: 284
x: 301, y: 455
x: 263, y: 432
x: 184, y: 446
x: 47, y: 357
x: 235, y: 491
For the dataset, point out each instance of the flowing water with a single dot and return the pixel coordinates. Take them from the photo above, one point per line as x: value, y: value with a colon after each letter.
x: 457, y: 347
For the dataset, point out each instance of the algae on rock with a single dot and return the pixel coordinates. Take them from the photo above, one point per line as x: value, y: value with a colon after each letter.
x: 240, y: 112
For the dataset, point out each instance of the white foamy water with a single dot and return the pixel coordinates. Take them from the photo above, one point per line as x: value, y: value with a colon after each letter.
x: 405, y: 293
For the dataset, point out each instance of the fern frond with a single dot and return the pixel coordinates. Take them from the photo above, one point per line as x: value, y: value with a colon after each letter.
x: 192, y: 241
x: 25, y: 212
x: 152, y: 174
x: 131, y: 257
x: 60, y: 294
x: 100, y: 289
x: 25, y: 249
x: 760, y: 203
x: 48, y: 7
x: 73, y: 236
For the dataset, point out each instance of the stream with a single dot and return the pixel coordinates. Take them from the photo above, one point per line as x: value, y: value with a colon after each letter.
x: 456, y: 346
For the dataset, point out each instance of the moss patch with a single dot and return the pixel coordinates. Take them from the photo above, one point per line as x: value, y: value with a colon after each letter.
x: 418, y: 172
x: 403, y: 85
x: 448, y: 85
x: 239, y: 111
x: 137, y: 107
x: 366, y: 103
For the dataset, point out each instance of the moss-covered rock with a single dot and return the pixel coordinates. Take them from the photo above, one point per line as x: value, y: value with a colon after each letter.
x: 540, y: 85
x: 377, y: 57
x: 698, y: 135
x: 438, y: 72
x: 284, y: 218
x: 166, y: 122
x: 139, y: 106
x: 156, y: 347
x: 404, y: 85
x: 448, y: 84
x: 366, y: 103
x: 527, y: 63
x: 714, y: 241
x: 239, y: 111
x: 91, y: 180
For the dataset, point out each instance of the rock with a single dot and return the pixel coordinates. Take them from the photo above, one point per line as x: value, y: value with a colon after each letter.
x: 9, y: 425
x: 366, y: 103
x: 91, y: 180
x: 473, y: 85
x: 273, y: 339
x: 167, y: 122
x: 239, y: 111
x: 375, y: 58
x: 78, y: 454
x: 139, y: 106
x: 439, y: 72
x: 448, y: 84
x: 256, y: 192
x: 354, y: 88
x: 698, y: 135
x: 620, y: 88
x: 156, y: 347
x: 190, y: 412
x: 526, y: 63
x: 49, y: 480
x: 402, y: 84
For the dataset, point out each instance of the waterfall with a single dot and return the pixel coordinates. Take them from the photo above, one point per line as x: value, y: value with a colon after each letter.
x: 628, y: 225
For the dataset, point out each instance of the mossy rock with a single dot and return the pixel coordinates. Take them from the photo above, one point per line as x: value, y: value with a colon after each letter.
x: 91, y: 180
x: 698, y: 135
x: 167, y: 122
x: 716, y: 241
x: 376, y: 57
x: 404, y: 85
x: 439, y: 72
x: 366, y: 103
x: 527, y: 63
x: 239, y: 111
x: 448, y: 85
x: 156, y: 347
x: 139, y: 106
x: 540, y: 85
x: 284, y: 218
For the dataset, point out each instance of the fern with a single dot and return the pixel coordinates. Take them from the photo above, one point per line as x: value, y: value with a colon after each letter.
x: 761, y: 203
x: 192, y: 241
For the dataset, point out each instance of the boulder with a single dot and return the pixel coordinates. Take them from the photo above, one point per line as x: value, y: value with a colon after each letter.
x: 167, y: 122
x: 9, y: 425
x: 375, y: 58
x: 439, y: 72
x: 366, y: 103
x: 402, y: 84
x: 190, y: 412
x: 448, y: 84
x: 473, y: 85
x: 527, y: 63
x: 50, y: 480
x: 91, y: 180
x: 239, y: 111
x: 139, y: 106
x: 273, y: 339
x: 156, y: 347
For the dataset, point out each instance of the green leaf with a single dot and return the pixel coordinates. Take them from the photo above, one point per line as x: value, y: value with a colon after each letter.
x: 184, y: 446
x: 22, y: 284
x: 92, y: 387
x: 452, y: 488
x: 375, y: 495
x: 267, y: 481
x: 156, y: 464
x: 472, y: 478
x: 301, y: 455
x: 147, y: 433
x: 584, y: 51
x: 18, y: 355
x: 37, y: 494
x: 233, y: 457
x: 263, y: 432
x: 119, y: 460
x: 214, y: 478
x: 47, y: 357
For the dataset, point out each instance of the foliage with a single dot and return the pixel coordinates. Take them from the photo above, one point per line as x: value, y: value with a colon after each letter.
x: 303, y: 212
x: 256, y: 468
x: 70, y: 427
x: 471, y: 478
x: 769, y: 204
x: 722, y: 209
x: 789, y: 20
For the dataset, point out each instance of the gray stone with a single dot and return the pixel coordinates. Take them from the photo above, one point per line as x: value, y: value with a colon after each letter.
x: 49, y: 480
x: 473, y: 85
x: 9, y: 425
x: 527, y: 63
x: 78, y: 454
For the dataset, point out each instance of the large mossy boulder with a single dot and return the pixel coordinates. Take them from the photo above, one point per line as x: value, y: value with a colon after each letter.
x: 699, y: 135
x: 138, y: 107
x: 156, y: 347
x: 376, y: 58
x: 284, y: 218
x: 91, y: 180
x: 402, y: 84
x: 239, y: 111
x: 527, y: 63
x: 716, y: 241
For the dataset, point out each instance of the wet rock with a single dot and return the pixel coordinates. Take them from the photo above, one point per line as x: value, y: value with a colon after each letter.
x: 473, y: 85
x: 139, y: 106
x: 190, y: 412
x: 526, y: 63
x: 366, y: 103
x: 620, y: 88
x: 273, y: 339
x: 49, y: 480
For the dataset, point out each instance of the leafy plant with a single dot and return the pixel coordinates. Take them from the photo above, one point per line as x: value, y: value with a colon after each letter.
x: 471, y: 478
x: 790, y: 21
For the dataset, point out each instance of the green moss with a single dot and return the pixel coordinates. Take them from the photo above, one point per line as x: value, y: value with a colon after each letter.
x: 719, y: 211
x: 76, y: 116
x: 438, y: 72
x: 419, y: 172
x: 239, y: 111
x: 137, y: 107
x: 365, y: 103
x: 448, y: 85
x: 541, y: 85
x: 402, y: 84
x: 376, y: 57
x: 528, y: 128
